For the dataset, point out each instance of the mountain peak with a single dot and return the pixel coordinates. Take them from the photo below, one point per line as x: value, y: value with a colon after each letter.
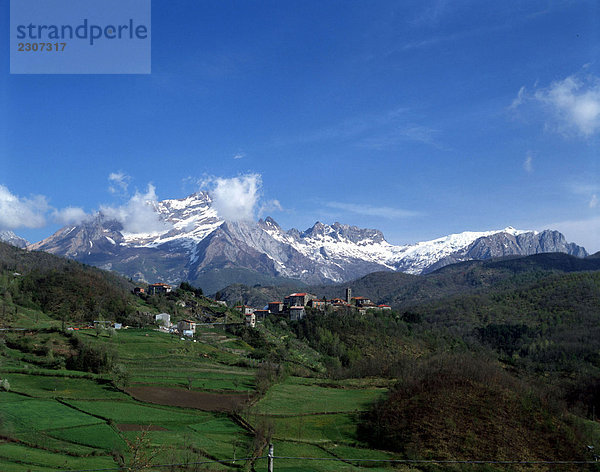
x: 11, y: 238
x: 269, y: 224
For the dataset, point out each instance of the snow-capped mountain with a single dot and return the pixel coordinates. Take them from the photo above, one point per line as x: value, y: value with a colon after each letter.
x: 195, y: 244
x: 11, y: 238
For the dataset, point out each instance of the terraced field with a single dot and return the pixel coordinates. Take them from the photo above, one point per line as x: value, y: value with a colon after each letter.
x: 186, y: 402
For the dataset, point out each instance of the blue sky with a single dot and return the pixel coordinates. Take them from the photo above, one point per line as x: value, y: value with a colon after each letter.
x: 418, y: 118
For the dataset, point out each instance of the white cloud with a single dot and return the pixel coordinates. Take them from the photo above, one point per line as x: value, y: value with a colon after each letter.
x: 234, y: 198
x: 383, y: 211
x: 586, y: 190
x: 528, y: 164
x: 376, y: 131
x: 18, y: 212
x: 269, y: 206
x: 585, y: 232
x: 119, y: 182
x: 521, y: 96
x: 572, y: 105
x: 239, y: 155
x: 138, y: 215
x: 69, y: 215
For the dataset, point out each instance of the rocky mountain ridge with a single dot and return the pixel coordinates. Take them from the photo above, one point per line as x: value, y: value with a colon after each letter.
x: 197, y: 245
x: 12, y: 239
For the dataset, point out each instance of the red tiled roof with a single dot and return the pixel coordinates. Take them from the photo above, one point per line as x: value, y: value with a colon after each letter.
x: 298, y: 295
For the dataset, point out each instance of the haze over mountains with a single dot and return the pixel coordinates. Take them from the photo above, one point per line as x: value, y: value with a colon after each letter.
x: 192, y: 242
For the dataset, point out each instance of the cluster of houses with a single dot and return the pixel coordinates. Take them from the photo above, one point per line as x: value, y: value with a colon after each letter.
x: 154, y: 289
x: 183, y: 327
x: 294, y: 306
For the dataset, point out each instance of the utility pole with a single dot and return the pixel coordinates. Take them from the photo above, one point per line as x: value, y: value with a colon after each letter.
x: 270, y: 458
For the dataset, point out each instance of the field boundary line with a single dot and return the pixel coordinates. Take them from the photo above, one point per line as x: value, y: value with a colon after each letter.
x: 64, y: 402
x: 240, y: 421
x: 47, y: 449
x: 290, y: 415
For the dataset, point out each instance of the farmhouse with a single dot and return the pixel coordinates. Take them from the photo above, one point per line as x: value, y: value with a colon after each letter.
x: 297, y: 313
x: 245, y: 309
x: 317, y: 304
x: 361, y: 301
x: 155, y: 289
x: 276, y: 307
x: 186, y: 325
x: 298, y: 299
x: 261, y: 314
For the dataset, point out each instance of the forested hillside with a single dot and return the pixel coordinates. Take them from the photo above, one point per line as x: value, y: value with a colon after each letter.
x: 62, y: 287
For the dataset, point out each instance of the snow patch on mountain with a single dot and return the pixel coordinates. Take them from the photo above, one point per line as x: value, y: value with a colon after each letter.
x: 12, y: 239
x: 417, y: 257
x: 191, y: 219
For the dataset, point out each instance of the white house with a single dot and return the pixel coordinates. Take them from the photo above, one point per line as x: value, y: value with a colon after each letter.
x: 163, y: 319
x: 250, y: 320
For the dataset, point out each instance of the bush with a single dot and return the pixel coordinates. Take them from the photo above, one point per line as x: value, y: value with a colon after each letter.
x: 120, y: 376
x: 91, y: 358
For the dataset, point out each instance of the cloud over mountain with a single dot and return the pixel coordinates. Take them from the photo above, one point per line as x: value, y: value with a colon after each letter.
x: 236, y: 198
x: 138, y: 215
x: 20, y: 212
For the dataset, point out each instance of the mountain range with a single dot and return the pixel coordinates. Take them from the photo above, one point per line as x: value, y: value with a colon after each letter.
x: 196, y: 245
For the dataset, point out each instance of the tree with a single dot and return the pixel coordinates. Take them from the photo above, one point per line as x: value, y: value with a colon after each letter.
x: 120, y: 376
x: 141, y: 453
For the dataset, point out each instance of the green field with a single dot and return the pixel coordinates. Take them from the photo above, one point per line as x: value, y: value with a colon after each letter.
x: 137, y: 412
x: 100, y: 436
x: 44, y: 386
x: 293, y: 397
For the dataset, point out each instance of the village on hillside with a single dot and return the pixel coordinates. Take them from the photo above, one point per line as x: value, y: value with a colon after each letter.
x: 294, y: 307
